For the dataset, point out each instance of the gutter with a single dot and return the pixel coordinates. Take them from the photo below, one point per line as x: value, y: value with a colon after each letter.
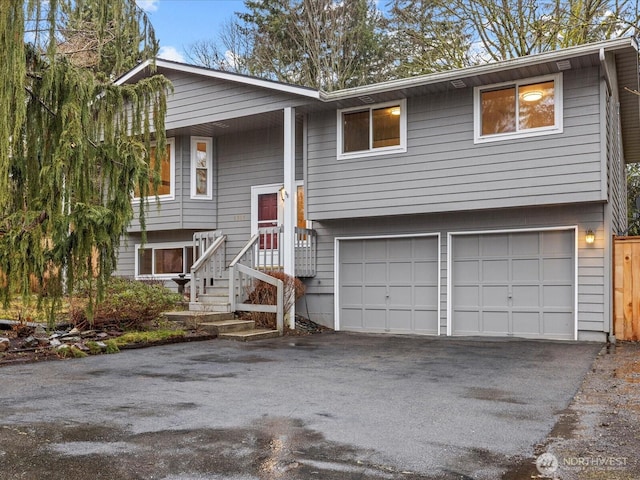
x: 511, y: 64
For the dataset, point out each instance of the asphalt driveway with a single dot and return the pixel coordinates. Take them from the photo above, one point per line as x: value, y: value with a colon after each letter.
x: 327, y: 406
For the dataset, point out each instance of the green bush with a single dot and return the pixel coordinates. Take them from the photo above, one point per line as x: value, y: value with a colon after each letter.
x: 127, y: 304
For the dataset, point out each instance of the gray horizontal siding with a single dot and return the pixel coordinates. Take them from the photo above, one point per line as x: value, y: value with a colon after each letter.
x: 244, y: 160
x: 592, y: 284
x: 198, y: 99
x: 443, y: 170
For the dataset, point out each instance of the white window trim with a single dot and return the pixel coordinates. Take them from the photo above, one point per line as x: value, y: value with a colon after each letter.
x: 194, y: 147
x: 373, y: 151
x: 172, y: 188
x: 531, y: 132
x: 159, y: 246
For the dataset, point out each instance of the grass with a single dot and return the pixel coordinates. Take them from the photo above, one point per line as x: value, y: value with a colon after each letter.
x: 150, y: 336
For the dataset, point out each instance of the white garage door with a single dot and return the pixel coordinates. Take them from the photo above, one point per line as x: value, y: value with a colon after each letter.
x: 519, y: 284
x: 389, y: 285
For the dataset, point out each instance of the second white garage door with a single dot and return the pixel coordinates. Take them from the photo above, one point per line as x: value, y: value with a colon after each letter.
x: 389, y: 285
x: 514, y: 284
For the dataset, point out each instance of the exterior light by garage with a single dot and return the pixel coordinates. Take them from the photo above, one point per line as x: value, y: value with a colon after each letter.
x: 590, y: 237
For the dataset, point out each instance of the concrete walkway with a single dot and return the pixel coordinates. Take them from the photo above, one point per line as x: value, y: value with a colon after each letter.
x: 326, y: 406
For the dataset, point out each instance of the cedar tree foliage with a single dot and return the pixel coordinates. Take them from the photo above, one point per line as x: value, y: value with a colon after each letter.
x: 73, y: 145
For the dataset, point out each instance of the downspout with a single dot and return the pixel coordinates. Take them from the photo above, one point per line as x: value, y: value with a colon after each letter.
x: 608, y: 214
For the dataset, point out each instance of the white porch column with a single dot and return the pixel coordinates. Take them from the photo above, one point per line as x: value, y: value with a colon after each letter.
x: 289, y: 261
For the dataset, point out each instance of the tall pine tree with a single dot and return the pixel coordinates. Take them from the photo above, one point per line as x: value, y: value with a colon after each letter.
x: 73, y: 146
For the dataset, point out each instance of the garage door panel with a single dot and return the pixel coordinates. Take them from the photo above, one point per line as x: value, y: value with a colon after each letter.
x: 468, y: 246
x: 353, y: 250
x: 400, y: 272
x: 423, y: 272
x: 494, y: 245
x: 526, y: 323
x: 351, y: 318
x: 389, y: 285
x: 558, y: 324
x: 525, y: 270
x: 375, y: 318
x: 375, y: 295
x: 352, y: 273
x: 558, y: 269
x: 351, y: 295
x: 426, y: 296
x: 558, y: 296
x: 467, y: 322
x: 467, y: 296
x: 401, y: 249
x: 554, y: 243
x: 525, y: 286
x: 426, y: 321
x: 467, y: 270
x: 375, y: 272
x: 494, y: 321
x: 526, y: 296
x: 495, y: 295
x: 375, y: 249
x: 402, y: 320
x: 527, y: 244
x: 495, y: 270
x: 400, y: 295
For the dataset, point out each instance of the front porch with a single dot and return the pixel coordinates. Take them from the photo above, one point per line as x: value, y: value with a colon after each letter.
x: 218, y: 290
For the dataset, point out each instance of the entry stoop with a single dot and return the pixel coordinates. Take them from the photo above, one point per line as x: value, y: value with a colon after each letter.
x: 193, y: 320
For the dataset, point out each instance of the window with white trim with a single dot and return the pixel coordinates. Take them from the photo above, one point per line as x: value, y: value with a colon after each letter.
x: 522, y: 108
x: 167, y: 172
x: 372, y: 130
x: 163, y: 260
x: 201, y: 168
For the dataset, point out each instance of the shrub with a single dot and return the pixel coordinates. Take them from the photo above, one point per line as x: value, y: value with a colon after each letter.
x: 127, y: 304
x: 266, y: 294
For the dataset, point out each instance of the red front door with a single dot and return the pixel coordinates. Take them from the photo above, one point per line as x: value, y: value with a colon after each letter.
x: 268, y: 217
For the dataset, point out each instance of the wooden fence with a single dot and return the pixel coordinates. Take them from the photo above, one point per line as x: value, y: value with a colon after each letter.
x: 626, y: 288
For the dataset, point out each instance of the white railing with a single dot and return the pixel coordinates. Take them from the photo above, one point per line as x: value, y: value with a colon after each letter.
x: 305, y: 252
x: 243, y: 278
x: 209, y: 265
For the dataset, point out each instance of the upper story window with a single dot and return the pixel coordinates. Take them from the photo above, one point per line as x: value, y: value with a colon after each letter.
x: 518, y: 109
x: 201, y: 168
x: 372, y: 130
x: 166, y: 188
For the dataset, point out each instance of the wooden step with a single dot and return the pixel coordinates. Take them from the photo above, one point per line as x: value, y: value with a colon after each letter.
x: 211, y: 307
x: 250, y: 335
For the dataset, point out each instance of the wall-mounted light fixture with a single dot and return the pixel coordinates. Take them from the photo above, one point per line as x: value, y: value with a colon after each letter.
x: 590, y: 237
x: 283, y: 193
x: 532, y: 96
x: 395, y: 111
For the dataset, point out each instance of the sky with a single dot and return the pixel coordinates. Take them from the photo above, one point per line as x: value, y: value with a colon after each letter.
x: 179, y: 23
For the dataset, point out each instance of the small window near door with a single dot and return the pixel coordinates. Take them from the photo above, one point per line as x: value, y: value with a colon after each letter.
x: 201, y: 168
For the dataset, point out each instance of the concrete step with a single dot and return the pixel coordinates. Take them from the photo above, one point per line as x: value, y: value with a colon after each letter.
x: 210, y: 307
x: 250, y: 335
x: 193, y: 320
x: 225, y: 326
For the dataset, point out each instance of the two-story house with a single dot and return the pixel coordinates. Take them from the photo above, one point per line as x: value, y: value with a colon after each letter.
x: 478, y: 201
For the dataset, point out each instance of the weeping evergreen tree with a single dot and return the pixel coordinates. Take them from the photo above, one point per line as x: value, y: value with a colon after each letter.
x: 73, y: 146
